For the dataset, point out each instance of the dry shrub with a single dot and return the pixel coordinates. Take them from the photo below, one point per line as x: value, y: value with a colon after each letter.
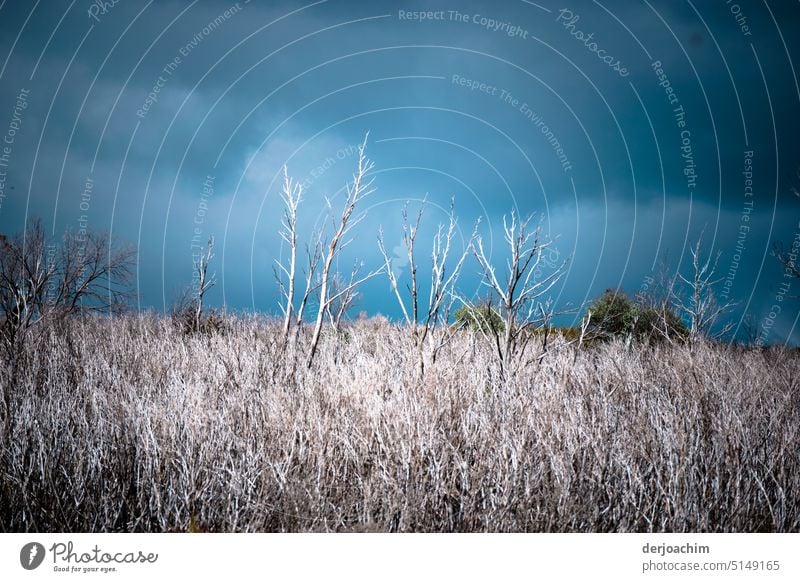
x: 184, y: 318
x: 128, y: 424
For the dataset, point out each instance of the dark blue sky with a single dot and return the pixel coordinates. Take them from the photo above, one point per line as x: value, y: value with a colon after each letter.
x: 626, y: 125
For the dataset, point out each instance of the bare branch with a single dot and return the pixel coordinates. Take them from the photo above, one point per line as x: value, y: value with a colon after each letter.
x: 204, y: 283
x: 521, y: 291
x: 41, y: 279
x: 701, y: 305
x: 423, y: 321
x: 291, y: 196
x: 357, y: 190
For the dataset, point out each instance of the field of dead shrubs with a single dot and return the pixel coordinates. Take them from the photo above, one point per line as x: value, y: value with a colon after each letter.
x: 131, y: 424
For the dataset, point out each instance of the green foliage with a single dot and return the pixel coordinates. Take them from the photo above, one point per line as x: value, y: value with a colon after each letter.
x: 657, y: 324
x: 480, y: 318
x: 614, y: 314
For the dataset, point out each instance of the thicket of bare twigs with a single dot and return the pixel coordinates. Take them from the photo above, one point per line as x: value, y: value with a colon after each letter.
x: 130, y: 424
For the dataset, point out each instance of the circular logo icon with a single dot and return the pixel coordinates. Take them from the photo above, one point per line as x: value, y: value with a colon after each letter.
x: 31, y: 556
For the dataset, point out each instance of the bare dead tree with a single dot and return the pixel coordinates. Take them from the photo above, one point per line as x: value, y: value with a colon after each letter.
x: 291, y: 196
x: 357, y: 190
x: 204, y: 282
x: 44, y: 280
x: 24, y: 276
x: 520, y: 291
x: 93, y: 274
x: 293, y: 303
x: 699, y: 302
x: 423, y: 321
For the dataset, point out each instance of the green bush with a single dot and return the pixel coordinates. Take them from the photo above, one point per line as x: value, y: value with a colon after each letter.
x: 480, y: 318
x: 657, y: 324
x: 614, y: 314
